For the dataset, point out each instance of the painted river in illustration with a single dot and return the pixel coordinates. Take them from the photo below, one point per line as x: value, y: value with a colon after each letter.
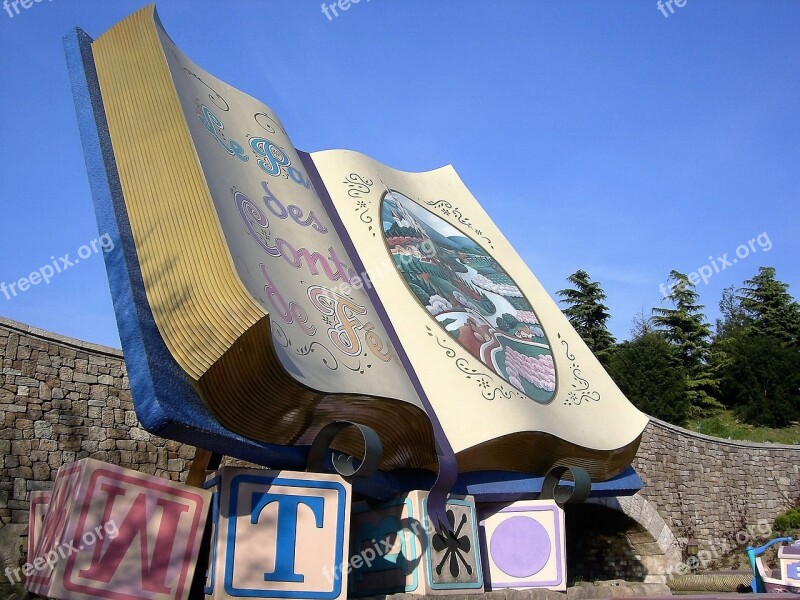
x: 469, y: 295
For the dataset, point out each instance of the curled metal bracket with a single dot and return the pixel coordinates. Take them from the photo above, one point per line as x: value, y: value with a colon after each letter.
x: 343, y: 463
x: 563, y: 494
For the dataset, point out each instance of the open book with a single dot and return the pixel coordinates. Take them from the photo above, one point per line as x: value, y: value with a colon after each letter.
x: 286, y: 290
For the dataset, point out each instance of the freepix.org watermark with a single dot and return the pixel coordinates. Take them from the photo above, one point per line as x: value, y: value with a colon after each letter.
x: 378, y: 549
x: 66, y: 549
x: 668, y: 4
x: 14, y: 5
x: 721, y: 547
x: 46, y: 273
x: 716, y: 265
x: 332, y: 10
x: 364, y: 280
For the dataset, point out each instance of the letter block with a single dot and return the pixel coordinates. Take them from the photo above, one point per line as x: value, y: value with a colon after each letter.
x: 523, y: 545
x: 395, y: 548
x: 39, y: 501
x: 278, y: 534
x: 118, y: 534
x: 789, y: 557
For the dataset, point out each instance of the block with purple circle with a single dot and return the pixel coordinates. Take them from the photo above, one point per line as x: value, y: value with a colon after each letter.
x: 523, y: 545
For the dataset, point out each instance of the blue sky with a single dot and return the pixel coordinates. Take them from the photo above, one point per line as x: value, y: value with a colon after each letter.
x: 598, y: 135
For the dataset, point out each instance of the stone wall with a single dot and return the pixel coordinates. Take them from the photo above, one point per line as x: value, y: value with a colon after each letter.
x: 62, y: 399
x: 716, y: 491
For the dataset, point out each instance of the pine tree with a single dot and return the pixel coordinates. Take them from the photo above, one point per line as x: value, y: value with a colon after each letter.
x: 770, y: 307
x: 641, y: 324
x: 761, y: 379
x: 587, y: 313
x: 650, y: 375
x: 686, y: 329
x: 734, y: 316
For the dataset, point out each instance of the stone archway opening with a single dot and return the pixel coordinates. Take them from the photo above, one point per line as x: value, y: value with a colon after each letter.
x: 605, y: 542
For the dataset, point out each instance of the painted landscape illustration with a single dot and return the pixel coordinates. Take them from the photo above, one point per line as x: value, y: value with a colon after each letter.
x: 470, y: 296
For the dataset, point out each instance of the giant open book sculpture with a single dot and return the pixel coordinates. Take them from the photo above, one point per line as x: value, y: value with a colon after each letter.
x: 262, y: 292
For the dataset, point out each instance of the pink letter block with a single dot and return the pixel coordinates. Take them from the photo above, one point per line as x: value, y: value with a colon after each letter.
x: 118, y: 534
x: 523, y: 545
x: 39, y: 501
x: 278, y: 534
x: 395, y: 549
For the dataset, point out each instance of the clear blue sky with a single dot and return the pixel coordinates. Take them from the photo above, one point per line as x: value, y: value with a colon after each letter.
x: 598, y: 134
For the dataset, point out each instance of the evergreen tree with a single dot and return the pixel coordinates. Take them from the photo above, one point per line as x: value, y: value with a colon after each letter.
x: 641, y: 325
x: 761, y: 379
x: 685, y: 327
x: 770, y: 307
x: 649, y: 373
x: 587, y: 313
x: 734, y: 316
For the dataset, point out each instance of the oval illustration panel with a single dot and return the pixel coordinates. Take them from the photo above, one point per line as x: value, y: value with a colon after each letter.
x: 469, y: 295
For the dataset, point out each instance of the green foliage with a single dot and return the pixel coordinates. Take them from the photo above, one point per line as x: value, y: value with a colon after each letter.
x: 725, y: 424
x: 398, y: 231
x: 760, y: 378
x: 507, y: 322
x: 789, y: 520
x: 452, y: 262
x: 510, y: 319
x: 586, y: 311
x: 518, y: 303
x: 686, y: 329
x: 734, y: 316
x: 770, y: 308
x: 502, y: 325
x: 423, y: 296
x: 650, y: 374
x: 486, y: 305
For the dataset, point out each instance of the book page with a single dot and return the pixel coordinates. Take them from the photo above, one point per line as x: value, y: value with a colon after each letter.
x: 282, y: 243
x: 493, y: 352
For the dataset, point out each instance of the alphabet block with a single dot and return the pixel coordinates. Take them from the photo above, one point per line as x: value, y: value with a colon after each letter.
x: 118, y: 534
x: 39, y: 501
x: 278, y: 534
x: 523, y: 545
x: 789, y: 557
x: 396, y: 549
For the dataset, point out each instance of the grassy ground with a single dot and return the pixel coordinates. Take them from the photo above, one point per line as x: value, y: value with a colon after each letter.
x: 725, y: 425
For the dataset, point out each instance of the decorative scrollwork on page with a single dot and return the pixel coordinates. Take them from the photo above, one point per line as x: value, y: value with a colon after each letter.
x: 489, y: 389
x: 582, y: 392
x: 448, y: 209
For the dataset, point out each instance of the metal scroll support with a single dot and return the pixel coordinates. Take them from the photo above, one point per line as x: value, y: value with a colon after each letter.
x: 578, y: 492
x: 342, y: 463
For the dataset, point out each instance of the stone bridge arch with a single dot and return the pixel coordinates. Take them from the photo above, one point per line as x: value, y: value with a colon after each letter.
x: 644, y: 540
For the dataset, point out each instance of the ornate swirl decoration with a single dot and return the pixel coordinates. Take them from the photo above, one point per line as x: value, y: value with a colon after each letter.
x: 581, y: 389
x: 448, y: 209
x: 358, y: 185
x: 486, y: 383
x: 448, y: 351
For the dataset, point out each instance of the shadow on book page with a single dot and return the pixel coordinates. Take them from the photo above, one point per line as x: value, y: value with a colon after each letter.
x: 263, y: 293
